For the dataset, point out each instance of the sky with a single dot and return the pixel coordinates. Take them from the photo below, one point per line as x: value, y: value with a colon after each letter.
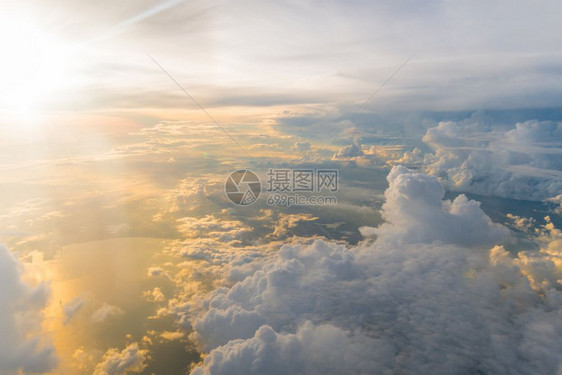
x: 126, y: 129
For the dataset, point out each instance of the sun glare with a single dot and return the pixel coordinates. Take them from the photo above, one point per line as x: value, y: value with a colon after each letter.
x: 32, y: 68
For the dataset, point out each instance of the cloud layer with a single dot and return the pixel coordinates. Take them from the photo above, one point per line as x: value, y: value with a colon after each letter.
x: 522, y: 163
x: 421, y: 298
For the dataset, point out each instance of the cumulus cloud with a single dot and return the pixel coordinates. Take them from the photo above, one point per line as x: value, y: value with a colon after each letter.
x: 84, y: 359
x: 286, y: 222
x: 416, y: 213
x: 212, y: 227
x: 219, y: 262
x: 350, y: 151
x: 130, y: 359
x: 154, y: 295
x: 188, y: 194
x: 104, y: 312
x: 22, y: 346
x: 171, y: 336
x: 155, y: 271
x: 557, y: 200
x: 413, y: 157
x: 322, y: 349
x: 542, y: 268
x: 422, y: 298
x: 522, y: 163
x: 70, y: 309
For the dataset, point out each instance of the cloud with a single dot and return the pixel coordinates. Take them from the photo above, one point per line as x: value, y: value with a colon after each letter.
x: 557, y: 200
x: 172, y: 336
x: 522, y: 163
x: 189, y: 194
x: 221, y: 262
x: 350, y: 151
x: 480, y: 49
x: 302, y: 146
x: 154, y: 295
x: 413, y: 157
x: 70, y: 309
x: 542, y: 268
x: 286, y: 222
x: 212, y: 227
x: 416, y: 213
x: 22, y: 345
x: 422, y: 297
x: 156, y: 271
x: 85, y: 360
x: 322, y: 349
x: 104, y: 312
x: 130, y: 359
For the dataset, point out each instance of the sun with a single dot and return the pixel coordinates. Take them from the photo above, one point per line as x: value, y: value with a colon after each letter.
x: 33, y: 66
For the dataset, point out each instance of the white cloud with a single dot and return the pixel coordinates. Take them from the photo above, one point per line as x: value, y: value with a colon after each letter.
x: 413, y: 157
x: 104, y: 312
x: 422, y: 298
x: 350, y: 151
x: 522, y: 163
x: 416, y: 213
x: 323, y: 349
x: 223, y: 262
x: 22, y: 346
x: 70, y: 309
x: 130, y: 359
x: 557, y: 200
